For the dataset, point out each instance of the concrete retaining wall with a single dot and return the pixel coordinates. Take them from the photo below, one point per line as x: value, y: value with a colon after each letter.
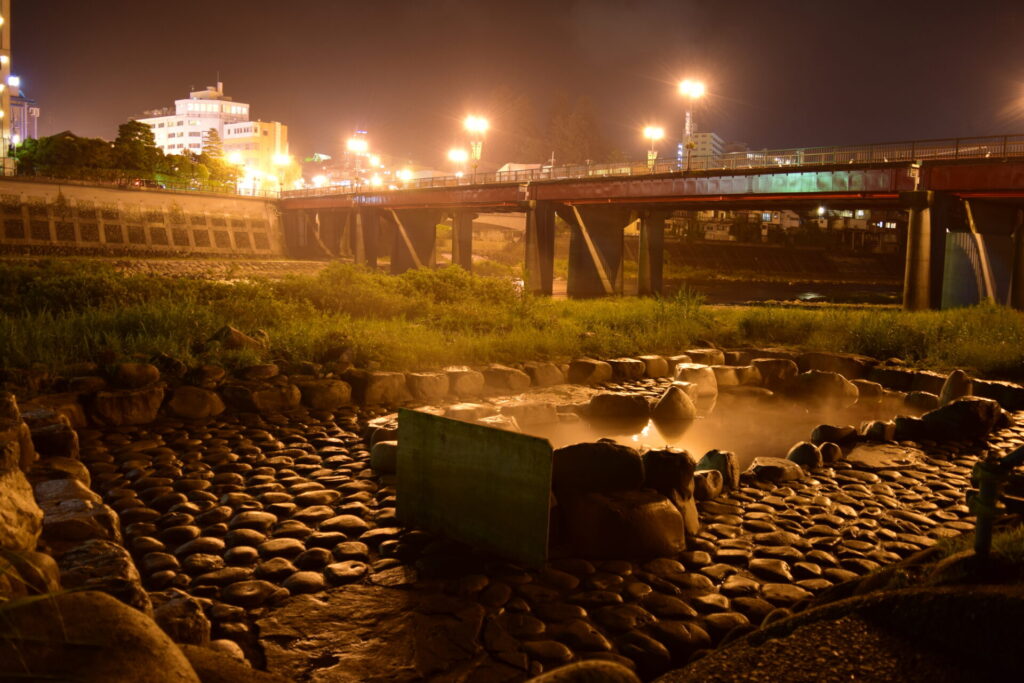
x: 41, y: 217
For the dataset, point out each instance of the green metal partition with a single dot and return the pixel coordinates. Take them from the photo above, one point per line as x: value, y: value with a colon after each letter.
x: 483, y: 486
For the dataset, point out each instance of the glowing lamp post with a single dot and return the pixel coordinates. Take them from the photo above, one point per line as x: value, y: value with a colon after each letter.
x: 653, y: 133
x: 476, y: 126
x: 459, y: 157
x: 281, y: 161
x: 692, y: 91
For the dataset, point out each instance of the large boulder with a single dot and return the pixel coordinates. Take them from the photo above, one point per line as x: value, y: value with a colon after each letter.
x: 627, y: 369
x: 706, y: 356
x: 674, y: 412
x: 324, y: 394
x: 428, y: 387
x: 599, y: 466
x: 21, y: 519
x: 377, y: 388
x: 214, y: 666
x: 231, y: 338
x: 970, y: 417
x: 505, y: 379
x: 262, y: 397
x: 774, y: 470
x: 805, y: 454
x: 775, y: 372
x: 707, y: 385
x: 670, y: 472
x: 134, y: 375
x: 621, y: 524
x: 544, y: 374
x: 529, y: 413
x: 724, y: 462
x: 816, y: 389
x: 589, y: 371
x: 849, y: 365
x: 957, y: 385
x: 101, y: 565
x: 465, y: 382
x: 657, y: 366
x: 181, y: 617
x: 195, y: 403
x: 88, y: 637
x: 127, y: 406
x: 616, y: 408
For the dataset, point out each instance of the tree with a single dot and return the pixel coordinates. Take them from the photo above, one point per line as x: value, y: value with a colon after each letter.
x: 212, y: 145
x: 573, y: 133
x: 135, y: 148
x: 65, y: 155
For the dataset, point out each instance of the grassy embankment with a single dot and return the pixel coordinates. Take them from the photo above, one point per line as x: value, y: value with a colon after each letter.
x: 61, y: 312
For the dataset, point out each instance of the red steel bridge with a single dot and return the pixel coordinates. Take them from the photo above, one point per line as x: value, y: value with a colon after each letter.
x: 964, y: 197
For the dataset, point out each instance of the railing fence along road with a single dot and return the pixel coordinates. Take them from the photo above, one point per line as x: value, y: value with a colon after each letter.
x: 995, y: 146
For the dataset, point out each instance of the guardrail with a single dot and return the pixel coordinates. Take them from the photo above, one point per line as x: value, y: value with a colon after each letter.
x: 182, y: 187
x: 995, y: 146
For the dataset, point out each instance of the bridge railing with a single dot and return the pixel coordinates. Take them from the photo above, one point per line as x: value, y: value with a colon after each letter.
x: 995, y: 146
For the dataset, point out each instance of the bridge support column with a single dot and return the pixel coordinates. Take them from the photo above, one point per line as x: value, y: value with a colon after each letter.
x: 364, y: 237
x: 595, y: 249
x: 919, y: 290
x: 414, y: 240
x: 652, y: 252
x: 540, y: 248
x: 462, y: 239
x: 332, y: 229
x: 1017, y: 277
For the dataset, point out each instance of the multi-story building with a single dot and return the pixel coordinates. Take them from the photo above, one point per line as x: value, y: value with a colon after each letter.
x: 259, y: 147
x: 5, y: 94
x: 708, y: 145
x: 24, y: 113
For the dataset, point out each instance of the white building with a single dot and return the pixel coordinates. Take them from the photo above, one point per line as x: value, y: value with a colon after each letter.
x: 260, y: 148
x: 184, y: 129
x: 708, y: 145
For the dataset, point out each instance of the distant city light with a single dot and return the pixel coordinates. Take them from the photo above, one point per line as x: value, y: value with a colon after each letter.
x: 319, y: 180
x: 376, y: 180
x: 477, y: 125
x: 14, y: 81
x: 405, y: 175
x: 16, y: 139
x: 282, y: 159
x: 458, y: 156
x: 821, y: 210
x: 375, y: 160
x: 236, y: 158
x: 357, y: 145
x: 653, y: 133
x: 692, y: 89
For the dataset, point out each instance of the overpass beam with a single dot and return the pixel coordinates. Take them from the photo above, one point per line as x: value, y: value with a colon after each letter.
x: 462, y: 239
x: 652, y: 252
x: 414, y: 240
x: 540, y: 248
x: 596, y: 246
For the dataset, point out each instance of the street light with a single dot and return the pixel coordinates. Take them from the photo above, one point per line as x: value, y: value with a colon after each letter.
x: 653, y: 133
x: 459, y: 157
x: 476, y: 126
x: 692, y: 91
x: 281, y: 161
x: 357, y: 145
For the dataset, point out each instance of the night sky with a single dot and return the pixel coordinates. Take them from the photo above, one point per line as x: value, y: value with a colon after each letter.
x: 779, y: 73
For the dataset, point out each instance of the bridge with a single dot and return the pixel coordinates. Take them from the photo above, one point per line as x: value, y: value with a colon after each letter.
x: 964, y: 196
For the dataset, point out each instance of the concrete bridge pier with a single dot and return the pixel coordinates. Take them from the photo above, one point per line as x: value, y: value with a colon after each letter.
x: 596, y: 246
x: 462, y: 239
x: 365, y: 227
x: 922, y: 280
x: 333, y: 225
x: 540, y: 248
x: 1017, y: 277
x: 652, y: 252
x: 415, y: 236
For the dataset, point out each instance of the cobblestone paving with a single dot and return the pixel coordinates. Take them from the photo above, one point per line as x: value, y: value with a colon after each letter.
x: 243, y: 512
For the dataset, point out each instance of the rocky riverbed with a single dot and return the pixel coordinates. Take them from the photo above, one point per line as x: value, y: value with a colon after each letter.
x: 270, y: 536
